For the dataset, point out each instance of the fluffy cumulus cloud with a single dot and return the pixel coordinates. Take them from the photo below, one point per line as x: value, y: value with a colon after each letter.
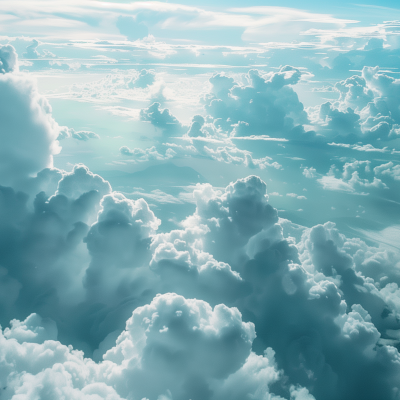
x: 184, y: 344
x: 8, y: 59
x: 66, y: 132
x: 161, y: 118
x: 356, y: 177
x: 241, y: 113
x: 118, y: 85
x: 144, y: 79
x: 31, y: 50
x: 172, y: 348
x: 79, y: 181
x: 151, y: 153
x: 204, y: 138
x: 28, y: 132
x: 266, y: 105
x: 363, y: 177
x: 389, y: 170
x: 118, y: 243
x: 97, y: 302
x: 367, y: 109
x: 233, y: 217
x: 232, y: 155
x: 229, y: 305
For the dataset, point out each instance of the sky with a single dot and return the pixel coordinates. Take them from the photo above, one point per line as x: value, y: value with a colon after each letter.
x: 199, y: 200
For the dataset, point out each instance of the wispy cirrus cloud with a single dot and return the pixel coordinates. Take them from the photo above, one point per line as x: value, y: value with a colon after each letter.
x: 91, y: 19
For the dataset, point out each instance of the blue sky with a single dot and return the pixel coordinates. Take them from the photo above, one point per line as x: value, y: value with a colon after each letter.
x: 199, y: 200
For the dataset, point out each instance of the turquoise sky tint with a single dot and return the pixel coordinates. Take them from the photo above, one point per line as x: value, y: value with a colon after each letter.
x: 199, y: 200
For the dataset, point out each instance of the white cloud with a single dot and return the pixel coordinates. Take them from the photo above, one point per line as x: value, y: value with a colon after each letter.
x: 79, y: 181
x: 365, y: 147
x: 235, y: 303
x: 366, y: 111
x: 151, y: 153
x: 350, y: 180
x: 8, y: 59
x: 66, y: 132
x: 296, y: 196
x: 28, y: 132
x: 309, y: 172
x: 117, y: 86
x: 33, y: 330
x: 234, y: 257
x: 123, y: 19
x: 236, y: 108
x: 388, y: 169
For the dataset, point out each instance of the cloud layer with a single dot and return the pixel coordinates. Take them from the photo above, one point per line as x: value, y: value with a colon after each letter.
x: 273, y: 315
x: 98, y: 300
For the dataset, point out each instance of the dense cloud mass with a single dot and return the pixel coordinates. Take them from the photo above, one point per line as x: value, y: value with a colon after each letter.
x: 28, y: 132
x: 240, y: 114
x: 262, y: 107
x: 228, y: 306
x: 367, y: 109
x: 267, y: 105
x: 236, y: 302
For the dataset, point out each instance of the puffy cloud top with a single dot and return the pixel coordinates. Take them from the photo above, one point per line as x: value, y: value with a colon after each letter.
x: 28, y: 132
x: 233, y: 216
x: 80, y: 180
x: 272, y: 317
x: 267, y: 105
x: 8, y: 59
x: 144, y: 79
x: 33, y: 330
x: 367, y: 109
x: 99, y: 301
x: 158, y: 117
x: 186, y: 336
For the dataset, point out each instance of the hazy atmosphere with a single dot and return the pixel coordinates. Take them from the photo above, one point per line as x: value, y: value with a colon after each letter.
x: 199, y: 200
